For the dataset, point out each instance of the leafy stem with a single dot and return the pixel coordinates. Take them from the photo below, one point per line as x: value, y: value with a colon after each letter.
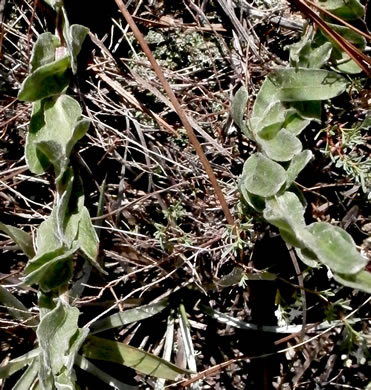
x: 289, y: 99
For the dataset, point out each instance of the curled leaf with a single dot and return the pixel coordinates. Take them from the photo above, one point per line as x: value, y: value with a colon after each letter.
x: 47, y: 80
x: 59, y: 339
x: 88, y: 240
x: 43, y: 52
x: 297, y: 164
x: 56, y: 125
x: 75, y: 38
x: 239, y: 107
x: 283, y: 147
x: 287, y: 213
x: 50, y: 270
x: 21, y: 238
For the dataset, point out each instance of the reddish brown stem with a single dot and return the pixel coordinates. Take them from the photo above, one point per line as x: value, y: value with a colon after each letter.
x: 182, y: 116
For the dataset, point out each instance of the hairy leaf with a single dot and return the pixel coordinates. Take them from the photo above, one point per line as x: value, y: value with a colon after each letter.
x: 50, y: 270
x: 43, y: 52
x: 238, y: 109
x: 37, y: 162
x: 303, y: 55
x: 320, y: 55
x: 54, y: 153
x: 335, y: 248
x: 297, y: 164
x: 308, y: 257
x: 294, y: 85
x: 300, y: 51
x: 70, y: 206
x: 361, y: 280
x: 74, y: 39
x: 55, y: 127
x: 345, y: 9
x: 254, y: 201
x: 88, y: 239
x: 282, y: 147
x: 311, y: 109
x: 47, y: 238
x: 287, y: 213
x: 295, y: 124
x: 271, y: 123
x: 339, y: 58
x: 47, y: 80
x: 80, y: 129
x: 56, y: 334
x: 262, y: 176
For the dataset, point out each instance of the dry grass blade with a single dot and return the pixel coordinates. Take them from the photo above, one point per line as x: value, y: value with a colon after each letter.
x: 238, y: 26
x: 134, y: 102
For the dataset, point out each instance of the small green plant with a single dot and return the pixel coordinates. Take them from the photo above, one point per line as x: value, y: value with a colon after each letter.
x: 238, y: 238
x: 344, y: 147
x: 289, y: 99
x: 354, y: 345
x: 175, y: 212
x: 161, y: 235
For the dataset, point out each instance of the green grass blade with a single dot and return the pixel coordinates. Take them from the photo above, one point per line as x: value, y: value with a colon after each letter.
x: 18, y: 363
x: 142, y: 361
x: 28, y: 377
x: 128, y: 316
x: 21, y: 238
x: 16, y: 307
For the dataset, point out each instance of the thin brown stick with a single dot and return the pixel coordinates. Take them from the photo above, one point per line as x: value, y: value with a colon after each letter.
x: 182, y: 116
x: 209, y: 371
